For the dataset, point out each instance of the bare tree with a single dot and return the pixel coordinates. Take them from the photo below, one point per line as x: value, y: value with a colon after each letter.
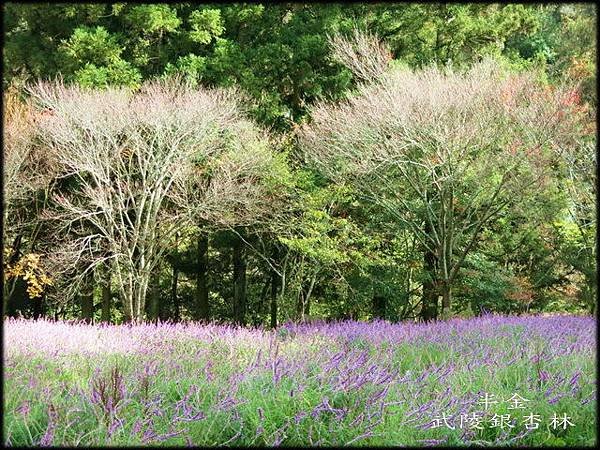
x: 139, y: 166
x: 26, y: 167
x: 444, y: 152
x: 17, y: 127
x: 28, y: 171
x: 363, y: 53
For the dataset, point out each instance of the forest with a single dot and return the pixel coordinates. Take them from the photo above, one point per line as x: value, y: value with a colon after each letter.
x: 256, y: 165
x: 299, y: 224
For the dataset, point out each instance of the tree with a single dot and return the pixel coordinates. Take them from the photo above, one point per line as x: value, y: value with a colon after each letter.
x: 561, y: 41
x: 28, y: 174
x: 444, y: 151
x: 422, y: 34
x: 153, y: 160
x: 324, y: 245
x: 580, y: 229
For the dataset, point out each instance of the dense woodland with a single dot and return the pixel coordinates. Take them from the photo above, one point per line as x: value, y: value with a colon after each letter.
x: 258, y: 164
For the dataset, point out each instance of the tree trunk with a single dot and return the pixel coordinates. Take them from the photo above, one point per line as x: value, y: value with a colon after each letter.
x: 8, y: 287
x: 429, y: 309
x: 5, y: 295
x: 300, y: 304
x: 106, y: 296
x: 174, y: 298
x: 275, y: 282
x: 141, y: 292
x: 17, y: 297
x: 262, y: 306
x: 446, y: 297
x: 304, y: 300
x: 203, y: 311
x: 239, y: 282
x: 379, y: 306
x: 38, y: 306
x: 154, y: 310
x: 86, y: 297
x: 106, y: 300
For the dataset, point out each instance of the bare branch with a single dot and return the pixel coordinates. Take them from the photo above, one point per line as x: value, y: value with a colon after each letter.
x: 363, y: 53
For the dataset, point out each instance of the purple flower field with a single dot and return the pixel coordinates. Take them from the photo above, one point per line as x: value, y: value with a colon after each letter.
x: 526, y: 380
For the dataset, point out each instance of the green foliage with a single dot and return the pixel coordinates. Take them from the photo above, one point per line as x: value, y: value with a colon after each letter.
x: 485, y: 286
x: 156, y: 19
x: 191, y: 67
x: 88, y: 44
x: 206, y: 24
x: 277, y: 55
x: 458, y: 33
x: 117, y: 73
x: 324, y: 236
x: 561, y: 40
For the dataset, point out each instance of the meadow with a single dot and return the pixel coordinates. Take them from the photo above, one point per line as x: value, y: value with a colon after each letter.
x: 527, y: 380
